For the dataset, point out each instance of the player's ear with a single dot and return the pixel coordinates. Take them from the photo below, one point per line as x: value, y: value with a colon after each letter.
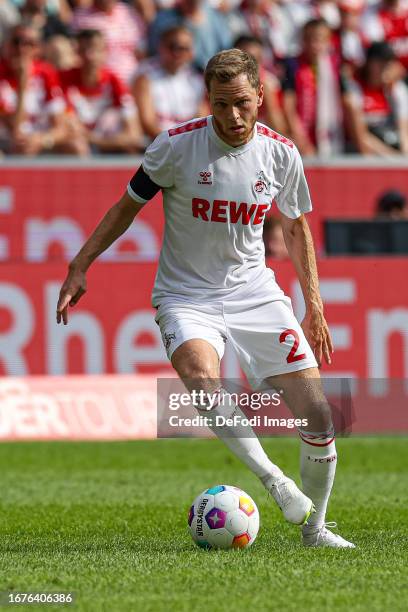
x: 260, y: 95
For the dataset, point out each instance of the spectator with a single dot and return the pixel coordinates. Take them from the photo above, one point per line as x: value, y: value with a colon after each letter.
x: 34, y: 12
x: 327, y: 10
x: 270, y: 112
x: 390, y: 23
x: 232, y: 13
x: 277, y: 25
x: 377, y: 106
x: 103, y: 114
x: 31, y: 102
x: 124, y: 32
x: 208, y: 26
x: 392, y: 205
x: 274, y: 241
x: 168, y: 90
x: 348, y: 39
x: 147, y: 9
x: 312, y: 100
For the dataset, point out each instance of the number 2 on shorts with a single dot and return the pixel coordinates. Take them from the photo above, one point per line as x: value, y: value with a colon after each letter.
x: 292, y: 357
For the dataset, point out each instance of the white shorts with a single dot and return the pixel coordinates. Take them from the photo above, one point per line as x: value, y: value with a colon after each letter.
x: 264, y: 332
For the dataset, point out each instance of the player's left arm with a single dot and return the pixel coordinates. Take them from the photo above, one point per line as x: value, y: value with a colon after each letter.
x: 299, y: 242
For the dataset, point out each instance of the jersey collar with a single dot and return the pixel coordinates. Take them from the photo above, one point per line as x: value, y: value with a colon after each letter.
x: 226, y: 147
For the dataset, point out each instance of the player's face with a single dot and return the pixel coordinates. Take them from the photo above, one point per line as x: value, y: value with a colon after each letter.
x: 234, y: 106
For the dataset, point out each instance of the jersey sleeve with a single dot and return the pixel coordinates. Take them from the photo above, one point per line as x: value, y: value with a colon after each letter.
x: 141, y: 187
x: 158, y: 161
x: 294, y: 199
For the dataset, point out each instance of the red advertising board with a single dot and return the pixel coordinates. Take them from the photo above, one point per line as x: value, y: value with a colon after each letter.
x: 78, y: 408
x: 118, y: 407
x: 112, y: 329
x: 45, y: 215
x: 46, y: 212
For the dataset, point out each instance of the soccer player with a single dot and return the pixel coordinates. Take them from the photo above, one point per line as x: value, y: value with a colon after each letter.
x: 219, y: 176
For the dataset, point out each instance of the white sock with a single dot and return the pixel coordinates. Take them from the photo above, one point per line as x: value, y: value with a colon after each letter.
x: 242, y: 440
x: 318, y: 461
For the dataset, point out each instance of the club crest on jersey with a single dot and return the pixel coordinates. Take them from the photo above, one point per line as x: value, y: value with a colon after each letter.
x: 205, y: 178
x: 262, y: 184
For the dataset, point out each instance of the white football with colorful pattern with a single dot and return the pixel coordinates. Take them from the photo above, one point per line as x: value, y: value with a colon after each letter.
x: 223, y: 517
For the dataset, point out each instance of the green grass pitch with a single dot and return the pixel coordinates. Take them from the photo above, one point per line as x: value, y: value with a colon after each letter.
x: 108, y: 522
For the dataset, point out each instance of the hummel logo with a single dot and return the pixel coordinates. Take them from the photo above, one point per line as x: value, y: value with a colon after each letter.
x: 205, y: 178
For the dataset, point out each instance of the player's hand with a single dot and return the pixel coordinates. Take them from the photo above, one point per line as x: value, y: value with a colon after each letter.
x: 71, y: 292
x: 317, y: 334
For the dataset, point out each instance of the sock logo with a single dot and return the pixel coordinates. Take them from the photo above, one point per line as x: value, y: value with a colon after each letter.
x: 322, y: 459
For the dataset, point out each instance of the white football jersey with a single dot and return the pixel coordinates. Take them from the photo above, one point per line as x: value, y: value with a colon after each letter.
x: 215, y: 199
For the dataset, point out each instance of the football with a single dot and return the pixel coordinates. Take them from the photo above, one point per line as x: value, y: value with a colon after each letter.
x: 223, y: 517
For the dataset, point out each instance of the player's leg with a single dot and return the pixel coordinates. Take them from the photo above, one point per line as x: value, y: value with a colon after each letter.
x: 197, y: 363
x: 194, y: 338
x: 304, y: 395
x: 272, y: 347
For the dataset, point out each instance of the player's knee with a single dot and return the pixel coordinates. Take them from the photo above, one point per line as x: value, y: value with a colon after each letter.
x: 197, y: 364
x: 199, y: 377
x: 319, y: 416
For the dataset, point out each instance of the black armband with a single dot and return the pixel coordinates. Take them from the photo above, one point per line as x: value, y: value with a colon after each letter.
x: 141, y: 187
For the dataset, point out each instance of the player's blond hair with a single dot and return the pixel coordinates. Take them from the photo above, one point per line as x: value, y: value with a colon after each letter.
x: 227, y: 65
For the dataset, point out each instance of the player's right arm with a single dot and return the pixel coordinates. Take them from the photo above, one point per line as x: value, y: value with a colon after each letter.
x: 116, y: 221
x: 155, y: 173
x: 114, y: 224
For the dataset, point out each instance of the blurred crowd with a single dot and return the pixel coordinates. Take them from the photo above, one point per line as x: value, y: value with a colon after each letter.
x: 88, y: 77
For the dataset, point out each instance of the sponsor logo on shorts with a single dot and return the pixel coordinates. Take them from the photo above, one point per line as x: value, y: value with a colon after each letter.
x: 168, y: 339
